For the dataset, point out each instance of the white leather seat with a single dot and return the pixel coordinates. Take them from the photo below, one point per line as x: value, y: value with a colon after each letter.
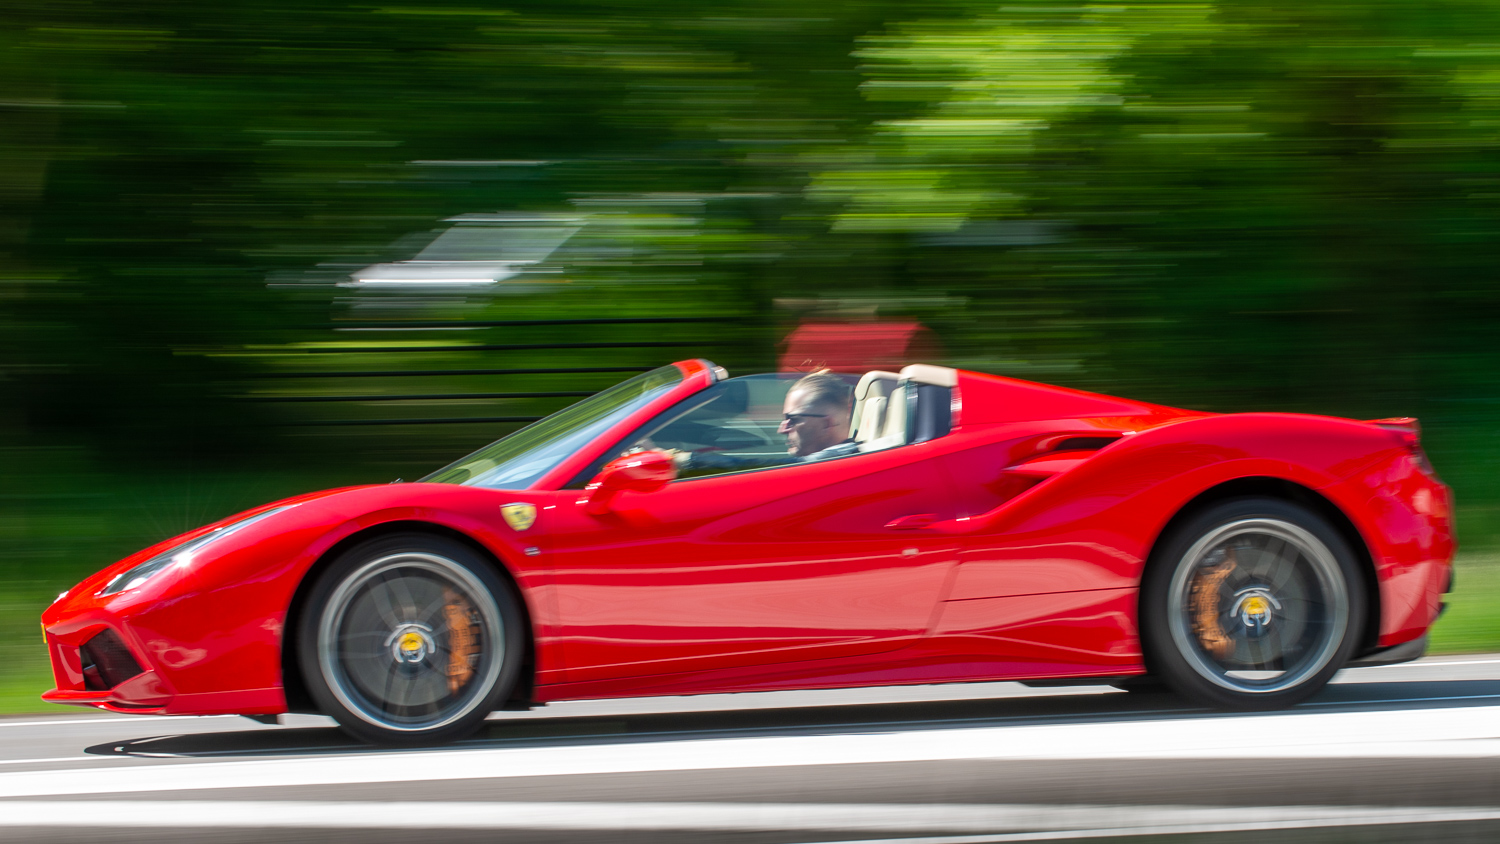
x: 872, y: 385
x: 893, y: 429
x: 871, y: 419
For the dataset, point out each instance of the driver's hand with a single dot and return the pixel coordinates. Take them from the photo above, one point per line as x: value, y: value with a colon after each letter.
x: 679, y: 457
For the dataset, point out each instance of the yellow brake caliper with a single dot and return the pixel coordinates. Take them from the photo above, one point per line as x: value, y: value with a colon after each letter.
x: 1205, y: 598
x: 462, y: 641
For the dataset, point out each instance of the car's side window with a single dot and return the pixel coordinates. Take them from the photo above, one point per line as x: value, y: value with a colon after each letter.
x: 729, y: 427
x: 736, y: 425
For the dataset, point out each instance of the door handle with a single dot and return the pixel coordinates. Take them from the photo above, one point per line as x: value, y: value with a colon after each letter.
x: 916, y: 521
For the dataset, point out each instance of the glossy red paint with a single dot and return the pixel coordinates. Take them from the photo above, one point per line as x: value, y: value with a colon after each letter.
x: 988, y: 399
x: 755, y: 568
x: 645, y: 472
x: 1012, y: 547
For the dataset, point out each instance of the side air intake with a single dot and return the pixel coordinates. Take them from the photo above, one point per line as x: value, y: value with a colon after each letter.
x: 106, y: 662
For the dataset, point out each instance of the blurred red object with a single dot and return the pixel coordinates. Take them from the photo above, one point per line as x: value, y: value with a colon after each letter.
x: 858, y: 346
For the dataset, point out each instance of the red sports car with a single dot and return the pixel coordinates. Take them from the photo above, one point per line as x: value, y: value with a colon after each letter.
x: 673, y: 535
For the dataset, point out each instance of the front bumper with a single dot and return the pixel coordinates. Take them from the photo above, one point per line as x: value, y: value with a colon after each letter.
x: 95, y: 665
x: 170, y: 647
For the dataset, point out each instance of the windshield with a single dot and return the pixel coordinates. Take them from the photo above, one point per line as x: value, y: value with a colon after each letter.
x: 517, y: 461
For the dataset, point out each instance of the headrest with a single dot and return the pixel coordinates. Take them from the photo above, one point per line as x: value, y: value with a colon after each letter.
x: 875, y: 383
x: 941, y: 376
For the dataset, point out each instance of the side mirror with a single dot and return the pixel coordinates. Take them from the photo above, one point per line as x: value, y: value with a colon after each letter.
x: 644, y: 471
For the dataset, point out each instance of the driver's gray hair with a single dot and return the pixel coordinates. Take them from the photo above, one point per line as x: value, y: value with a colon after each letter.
x: 824, y: 388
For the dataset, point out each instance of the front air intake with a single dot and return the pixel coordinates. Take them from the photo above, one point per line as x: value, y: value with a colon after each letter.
x: 106, y: 662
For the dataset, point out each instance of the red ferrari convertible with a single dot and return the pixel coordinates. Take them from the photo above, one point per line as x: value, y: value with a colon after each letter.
x: 666, y: 537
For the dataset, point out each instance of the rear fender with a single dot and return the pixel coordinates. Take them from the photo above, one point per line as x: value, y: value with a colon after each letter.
x: 1093, y: 526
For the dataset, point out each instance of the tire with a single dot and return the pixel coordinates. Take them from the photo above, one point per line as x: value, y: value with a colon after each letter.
x: 410, y: 639
x: 1253, y: 603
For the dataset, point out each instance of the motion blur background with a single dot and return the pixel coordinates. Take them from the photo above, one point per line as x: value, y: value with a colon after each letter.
x: 226, y: 229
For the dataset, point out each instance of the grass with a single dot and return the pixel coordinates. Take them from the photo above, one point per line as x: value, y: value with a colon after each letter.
x: 1472, y: 622
x: 26, y: 674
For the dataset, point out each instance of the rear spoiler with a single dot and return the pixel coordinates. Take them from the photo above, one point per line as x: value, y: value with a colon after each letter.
x: 1410, y: 431
x: 1408, y: 426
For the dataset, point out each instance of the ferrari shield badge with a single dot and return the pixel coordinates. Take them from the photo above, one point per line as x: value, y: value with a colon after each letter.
x: 519, y: 516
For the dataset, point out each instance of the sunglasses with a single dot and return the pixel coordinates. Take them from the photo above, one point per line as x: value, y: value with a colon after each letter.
x: 793, y: 418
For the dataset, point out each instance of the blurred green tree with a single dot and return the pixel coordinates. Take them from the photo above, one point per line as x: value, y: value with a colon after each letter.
x: 1226, y: 205
x: 1256, y: 203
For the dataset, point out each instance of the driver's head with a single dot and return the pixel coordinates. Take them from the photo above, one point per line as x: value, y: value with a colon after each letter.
x: 816, y: 413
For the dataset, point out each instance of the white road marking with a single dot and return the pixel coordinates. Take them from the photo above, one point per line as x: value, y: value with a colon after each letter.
x: 1468, y: 732
x: 1435, y: 663
x: 722, y: 732
x: 706, y: 817
x: 124, y: 719
x: 1386, y: 700
x: 1435, y: 816
x: 60, y: 759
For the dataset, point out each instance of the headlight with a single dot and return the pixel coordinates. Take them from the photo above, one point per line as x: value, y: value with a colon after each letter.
x: 135, y: 576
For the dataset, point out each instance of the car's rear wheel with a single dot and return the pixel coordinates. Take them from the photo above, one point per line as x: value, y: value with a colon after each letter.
x: 1253, y: 603
x: 410, y: 639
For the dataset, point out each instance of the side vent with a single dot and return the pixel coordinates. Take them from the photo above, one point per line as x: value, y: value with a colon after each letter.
x: 106, y: 662
x: 1057, y: 454
x: 1083, y: 443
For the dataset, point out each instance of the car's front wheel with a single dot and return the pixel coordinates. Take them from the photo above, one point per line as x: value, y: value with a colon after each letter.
x: 410, y: 639
x: 1253, y: 603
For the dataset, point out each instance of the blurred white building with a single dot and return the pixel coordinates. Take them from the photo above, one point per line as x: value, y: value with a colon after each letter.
x: 501, y: 252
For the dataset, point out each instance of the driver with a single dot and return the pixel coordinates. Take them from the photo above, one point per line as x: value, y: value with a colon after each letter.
x: 815, y: 417
x: 815, y: 421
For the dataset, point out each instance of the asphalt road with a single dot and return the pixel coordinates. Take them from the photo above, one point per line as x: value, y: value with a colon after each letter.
x: 1400, y: 753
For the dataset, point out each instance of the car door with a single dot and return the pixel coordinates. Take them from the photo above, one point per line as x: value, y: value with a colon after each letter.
x: 805, y: 561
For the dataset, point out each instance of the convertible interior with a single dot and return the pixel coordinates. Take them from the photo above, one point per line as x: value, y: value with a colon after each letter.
x: 732, y: 426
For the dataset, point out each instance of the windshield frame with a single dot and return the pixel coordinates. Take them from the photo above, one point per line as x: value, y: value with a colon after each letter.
x: 694, y: 375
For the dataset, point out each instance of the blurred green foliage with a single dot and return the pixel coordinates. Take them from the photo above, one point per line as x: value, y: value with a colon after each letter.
x: 1233, y: 205
x: 1249, y: 204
